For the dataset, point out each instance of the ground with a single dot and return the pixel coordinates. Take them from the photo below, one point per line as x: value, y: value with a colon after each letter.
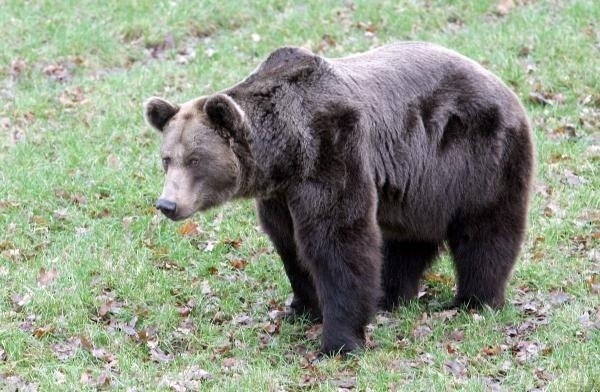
x: 98, y: 291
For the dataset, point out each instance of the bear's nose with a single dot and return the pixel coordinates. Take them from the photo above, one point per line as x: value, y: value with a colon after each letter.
x: 167, y: 207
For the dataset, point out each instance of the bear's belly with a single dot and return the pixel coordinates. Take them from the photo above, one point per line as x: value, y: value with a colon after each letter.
x: 411, y: 223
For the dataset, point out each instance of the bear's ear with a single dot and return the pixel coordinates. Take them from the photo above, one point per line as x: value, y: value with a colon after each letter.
x: 223, y: 112
x: 339, y: 119
x: 158, y: 111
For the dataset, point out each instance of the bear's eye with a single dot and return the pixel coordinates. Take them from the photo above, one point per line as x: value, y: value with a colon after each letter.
x: 166, y: 162
x: 193, y: 162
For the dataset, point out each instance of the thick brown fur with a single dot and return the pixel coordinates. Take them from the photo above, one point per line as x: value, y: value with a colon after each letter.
x: 362, y: 167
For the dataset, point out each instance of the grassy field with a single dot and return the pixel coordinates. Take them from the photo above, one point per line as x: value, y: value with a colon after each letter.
x: 97, y: 291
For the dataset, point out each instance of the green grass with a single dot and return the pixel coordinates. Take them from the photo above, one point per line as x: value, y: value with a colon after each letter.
x: 79, y: 173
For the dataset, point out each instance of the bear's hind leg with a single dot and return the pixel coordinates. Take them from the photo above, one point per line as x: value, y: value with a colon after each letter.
x: 485, y: 248
x: 277, y: 223
x: 404, y: 264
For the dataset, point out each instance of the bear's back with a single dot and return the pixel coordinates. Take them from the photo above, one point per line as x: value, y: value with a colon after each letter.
x: 440, y: 128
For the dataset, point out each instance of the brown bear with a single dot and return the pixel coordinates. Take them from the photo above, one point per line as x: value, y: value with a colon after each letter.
x: 362, y: 167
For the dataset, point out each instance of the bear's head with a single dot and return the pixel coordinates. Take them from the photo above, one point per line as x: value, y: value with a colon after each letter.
x: 201, y: 168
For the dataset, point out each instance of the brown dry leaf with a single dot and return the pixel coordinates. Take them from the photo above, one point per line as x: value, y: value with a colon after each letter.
x: 230, y: 363
x: 189, y: 229
x: 57, y: 72
x: 72, y: 97
x: 41, y: 332
x: 243, y: 319
x: 73, y: 198
x: 445, y: 314
x: 271, y: 328
x: 159, y: 356
x: 110, y: 306
x: 186, y: 327
x: 18, y: 301
x: 526, y: 350
x: 66, y: 350
x: 157, y: 50
x: 17, y: 384
x: 238, y: 264
x: 492, y: 350
x: 450, y: 348
x: 456, y: 367
x: 27, y: 324
x: 61, y: 214
x: 421, y: 331
x: 314, y: 332
x: 504, y: 6
x: 542, y: 375
x: 46, y: 277
x: 146, y: 335
x: 446, y: 280
x: 188, y: 380
x: 573, y: 179
x: 17, y: 66
x: 558, y: 297
x: 235, y: 244
x: 565, y: 131
x: 345, y: 382
x: 169, y: 265
x: 105, y: 356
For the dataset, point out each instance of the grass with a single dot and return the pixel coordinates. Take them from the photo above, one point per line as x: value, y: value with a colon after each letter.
x: 150, y: 304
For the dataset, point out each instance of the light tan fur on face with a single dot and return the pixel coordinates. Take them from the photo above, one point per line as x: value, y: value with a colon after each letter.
x: 202, y: 170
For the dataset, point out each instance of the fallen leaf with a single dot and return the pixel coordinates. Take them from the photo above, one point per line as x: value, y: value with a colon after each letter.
x: 566, y: 131
x: 445, y: 315
x: 238, y: 264
x: 188, y: 380
x: 72, y: 97
x: 229, y: 363
x: 205, y: 288
x: 110, y: 306
x: 210, y: 245
x: 17, y: 66
x: 57, y: 72
x: 46, y: 277
x: 18, y: 301
x: 271, y: 328
x: 504, y: 6
x: 242, y: 319
x: 539, y: 98
x: 492, y: 350
x: 450, y: 348
x: 235, y: 244
x: 457, y: 335
x: 572, y: 179
x: 17, y: 384
x: 456, y: 367
x: 542, y: 375
x: 158, y: 355
x: 66, y: 350
x: 61, y: 214
x: 103, y: 355
x: 41, y: 332
x: 525, y: 351
x: 421, y: 331
x: 559, y: 297
x: 314, y: 332
x: 189, y: 229
x: 344, y: 382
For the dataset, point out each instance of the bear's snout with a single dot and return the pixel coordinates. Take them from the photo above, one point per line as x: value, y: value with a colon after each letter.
x: 167, y: 207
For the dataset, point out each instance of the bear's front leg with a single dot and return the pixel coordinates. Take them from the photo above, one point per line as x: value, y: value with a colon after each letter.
x: 276, y: 221
x: 338, y: 237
